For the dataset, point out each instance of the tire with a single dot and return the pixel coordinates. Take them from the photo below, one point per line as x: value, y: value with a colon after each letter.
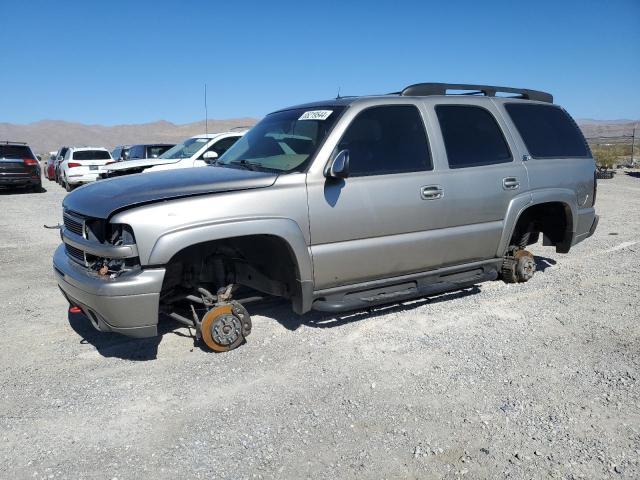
x: 66, y: 185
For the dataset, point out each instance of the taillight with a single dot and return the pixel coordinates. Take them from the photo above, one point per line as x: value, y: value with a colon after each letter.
x: 30, y: 161
x: 109, y: 163
x: 73, y: 164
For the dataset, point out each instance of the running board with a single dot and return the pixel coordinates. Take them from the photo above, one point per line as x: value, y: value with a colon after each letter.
x: 421, y: 287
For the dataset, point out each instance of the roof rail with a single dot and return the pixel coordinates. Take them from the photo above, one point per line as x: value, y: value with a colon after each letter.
x: 7, y: 142
x: 427, y: 89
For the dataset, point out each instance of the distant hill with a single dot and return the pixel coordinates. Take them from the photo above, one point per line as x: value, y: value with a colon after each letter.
x: 608, y: 129
x: 49, y: 135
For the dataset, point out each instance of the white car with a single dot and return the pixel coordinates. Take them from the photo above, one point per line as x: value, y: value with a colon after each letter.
x: 82, y: 165
x: 198, y: 151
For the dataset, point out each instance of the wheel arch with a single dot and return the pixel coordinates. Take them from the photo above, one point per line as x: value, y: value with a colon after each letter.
x: 285, y: 231
x: 562, y: 199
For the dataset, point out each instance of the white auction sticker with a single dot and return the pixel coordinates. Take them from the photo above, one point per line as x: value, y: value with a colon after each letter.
x: 316, y: 115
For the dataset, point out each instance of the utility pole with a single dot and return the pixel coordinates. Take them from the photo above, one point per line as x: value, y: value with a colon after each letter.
x: 633, y: 143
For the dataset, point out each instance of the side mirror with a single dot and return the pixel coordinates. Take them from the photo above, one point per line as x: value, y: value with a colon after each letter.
x: 210, y: 155
x: 339, y: 166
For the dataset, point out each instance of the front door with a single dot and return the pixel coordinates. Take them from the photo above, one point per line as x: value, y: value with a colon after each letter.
x: 382, y: 220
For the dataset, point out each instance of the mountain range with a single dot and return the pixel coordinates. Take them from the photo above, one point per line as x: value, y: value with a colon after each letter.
x: 49, y: 135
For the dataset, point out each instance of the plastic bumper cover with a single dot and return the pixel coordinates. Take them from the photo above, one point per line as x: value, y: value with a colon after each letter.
x: 127, y: 304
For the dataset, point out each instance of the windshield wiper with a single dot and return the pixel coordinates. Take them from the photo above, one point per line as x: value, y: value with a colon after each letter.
x: 247, y: 165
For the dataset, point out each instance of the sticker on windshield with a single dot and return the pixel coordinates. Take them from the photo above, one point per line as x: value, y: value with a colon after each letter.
x: 316, y: 115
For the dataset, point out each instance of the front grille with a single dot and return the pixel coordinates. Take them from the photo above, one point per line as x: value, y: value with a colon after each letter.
x: 75, y: 254
x: 74, y: 224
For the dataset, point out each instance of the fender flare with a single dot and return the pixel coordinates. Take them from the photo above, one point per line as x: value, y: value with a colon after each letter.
x: 519, y: 204
x: 172, y: 242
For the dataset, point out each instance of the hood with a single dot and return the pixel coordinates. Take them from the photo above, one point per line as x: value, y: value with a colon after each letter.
x: 101, y: 199
x: 145, y: 162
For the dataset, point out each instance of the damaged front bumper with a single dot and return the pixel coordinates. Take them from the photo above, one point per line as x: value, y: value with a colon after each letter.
x: 126, y: 304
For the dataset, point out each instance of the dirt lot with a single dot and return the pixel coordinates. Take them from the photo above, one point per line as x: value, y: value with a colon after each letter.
x: 518, y: 381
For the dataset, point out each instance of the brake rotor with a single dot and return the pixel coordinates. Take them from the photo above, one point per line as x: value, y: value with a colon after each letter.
x: 225, y: 327
x: 525, y: 266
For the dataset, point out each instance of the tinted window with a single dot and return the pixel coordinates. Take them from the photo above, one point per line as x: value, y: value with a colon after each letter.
x: 15, y: 151
x: 116, y: 153
x: 135, y: 152
x: 154, y: 151
x: 385, y: 140
x: 472, y: 136
x: 91, y: 155
x: 547, y: 131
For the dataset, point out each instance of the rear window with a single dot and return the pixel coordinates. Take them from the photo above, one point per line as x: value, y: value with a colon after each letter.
x: 15, y: 151
x: 472, y: 136
x: 91, y: 155
x: 548, y: 131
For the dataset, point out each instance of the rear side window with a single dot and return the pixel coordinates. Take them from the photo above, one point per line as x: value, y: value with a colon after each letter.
x: 472, y: 136
x: 385, y: 140
x: 547, y: 131
x: 15, y: 151
x: 91, y: 155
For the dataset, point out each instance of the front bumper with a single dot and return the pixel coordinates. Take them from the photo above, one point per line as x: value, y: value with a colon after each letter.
x: 127, y: 304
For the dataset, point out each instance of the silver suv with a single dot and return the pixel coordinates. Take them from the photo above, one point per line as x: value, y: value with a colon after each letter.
x: 334, y: 205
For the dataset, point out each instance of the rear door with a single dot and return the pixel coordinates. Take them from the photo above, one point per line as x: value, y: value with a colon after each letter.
x: 482, y: 175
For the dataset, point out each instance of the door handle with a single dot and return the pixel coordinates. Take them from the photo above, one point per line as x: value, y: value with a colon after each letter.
x: 431, y: 192
x: 510, y: 183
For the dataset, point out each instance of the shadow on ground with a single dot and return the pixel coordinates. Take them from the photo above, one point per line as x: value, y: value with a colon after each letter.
x: 542, y: 263
x: 19, y: 191
x: 116, y: 345
x: 633, y: 174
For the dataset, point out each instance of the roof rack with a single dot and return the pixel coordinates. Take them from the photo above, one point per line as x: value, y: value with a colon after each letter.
x: 428, y: 89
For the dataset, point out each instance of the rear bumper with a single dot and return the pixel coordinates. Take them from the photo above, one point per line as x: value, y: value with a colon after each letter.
x: 127, y: 304
x: 587, y: 224
x: 84, y: 178
x: 8, y: 180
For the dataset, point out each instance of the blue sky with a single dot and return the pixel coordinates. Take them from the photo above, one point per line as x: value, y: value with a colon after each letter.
x: 120, y: 62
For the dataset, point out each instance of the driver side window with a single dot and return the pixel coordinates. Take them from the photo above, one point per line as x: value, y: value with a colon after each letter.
x: 385, y: 140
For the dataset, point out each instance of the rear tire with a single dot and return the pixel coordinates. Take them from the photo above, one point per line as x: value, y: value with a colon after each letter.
x: 66, y: 185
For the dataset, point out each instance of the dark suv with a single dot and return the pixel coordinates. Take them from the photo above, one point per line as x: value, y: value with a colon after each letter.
x: 19, y: 166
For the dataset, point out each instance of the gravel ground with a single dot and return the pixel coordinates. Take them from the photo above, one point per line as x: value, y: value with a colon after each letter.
x: 518, y: 381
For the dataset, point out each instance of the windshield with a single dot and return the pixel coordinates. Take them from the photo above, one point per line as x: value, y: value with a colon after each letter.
x: 185, y: 149
x: 283, y: 141
x: 91, y: 155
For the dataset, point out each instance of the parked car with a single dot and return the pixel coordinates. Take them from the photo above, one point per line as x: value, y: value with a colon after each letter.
x: 19, y: 167
x: 49, y: 166
x: 81, y: 165
x: 56, y: 168
x: 148, y: 150
x: 335, y: 205
x: 120, y: 153
x: 197, y: 151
